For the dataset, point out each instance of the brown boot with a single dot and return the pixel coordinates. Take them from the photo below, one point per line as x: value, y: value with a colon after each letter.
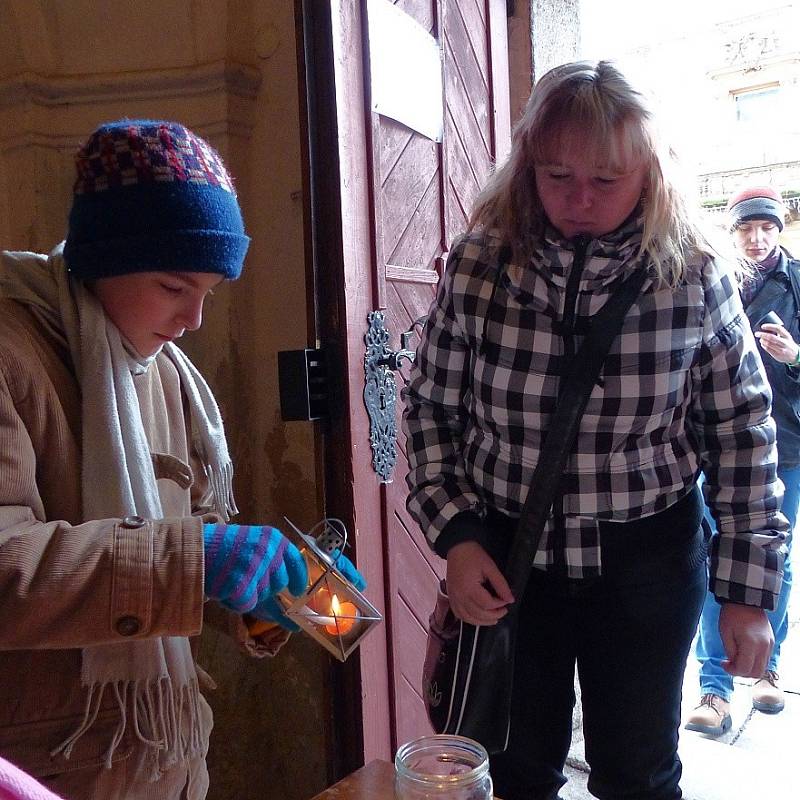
x: 767, y: 695
x: 711, y: 717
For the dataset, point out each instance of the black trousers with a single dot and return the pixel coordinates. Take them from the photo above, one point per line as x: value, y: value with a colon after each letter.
x: 629, y: 633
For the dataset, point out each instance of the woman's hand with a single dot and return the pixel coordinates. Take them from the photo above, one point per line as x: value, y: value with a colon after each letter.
x: 778, y: 342
x: 747, y: 637
x: 478, y: 592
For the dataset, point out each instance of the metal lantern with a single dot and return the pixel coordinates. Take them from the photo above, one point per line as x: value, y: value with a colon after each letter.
x: 331, y: 610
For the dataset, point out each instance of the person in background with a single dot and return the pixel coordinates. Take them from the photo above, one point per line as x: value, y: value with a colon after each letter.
x: 756, y: 215
x: 587, y: 199
x: 115, y: 479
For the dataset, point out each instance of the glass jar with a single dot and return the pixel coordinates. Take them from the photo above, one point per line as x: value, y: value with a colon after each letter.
x: 439, y: 767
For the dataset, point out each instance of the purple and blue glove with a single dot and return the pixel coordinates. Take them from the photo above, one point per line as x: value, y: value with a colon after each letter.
x: 347, y: 568
x: 246, y: 566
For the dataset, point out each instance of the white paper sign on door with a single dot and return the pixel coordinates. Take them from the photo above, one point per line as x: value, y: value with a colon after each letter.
x: 405, y: 69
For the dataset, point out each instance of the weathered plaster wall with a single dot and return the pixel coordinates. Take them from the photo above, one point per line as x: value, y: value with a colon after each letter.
x: 555, y: 26
x: 226, y: 68
x: 541, y: 35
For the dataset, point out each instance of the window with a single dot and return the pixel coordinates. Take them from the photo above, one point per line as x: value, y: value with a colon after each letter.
x: 757, y: 105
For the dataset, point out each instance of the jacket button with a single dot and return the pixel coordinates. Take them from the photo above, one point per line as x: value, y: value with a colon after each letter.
x: 133, y: 521
x: 128, y: 626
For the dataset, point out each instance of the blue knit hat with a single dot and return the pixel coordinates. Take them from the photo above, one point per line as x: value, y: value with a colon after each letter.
x: 151, y: 195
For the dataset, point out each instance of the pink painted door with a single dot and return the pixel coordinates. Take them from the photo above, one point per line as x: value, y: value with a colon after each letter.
x: 388, y: 201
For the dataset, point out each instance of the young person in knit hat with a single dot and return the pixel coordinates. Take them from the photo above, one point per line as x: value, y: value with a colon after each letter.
x: 115, y: 477
x: 756, y: 217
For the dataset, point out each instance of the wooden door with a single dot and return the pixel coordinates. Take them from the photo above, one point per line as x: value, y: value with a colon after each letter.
x: 387, y: 203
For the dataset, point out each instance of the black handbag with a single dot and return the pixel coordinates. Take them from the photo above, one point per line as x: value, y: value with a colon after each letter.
x: 469, y: 669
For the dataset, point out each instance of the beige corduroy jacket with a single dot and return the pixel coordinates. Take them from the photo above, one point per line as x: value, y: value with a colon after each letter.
x: 66, y: 583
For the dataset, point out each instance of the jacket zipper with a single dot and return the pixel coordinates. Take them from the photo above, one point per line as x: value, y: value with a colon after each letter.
x: 571, y: 299
x: 568, y: 323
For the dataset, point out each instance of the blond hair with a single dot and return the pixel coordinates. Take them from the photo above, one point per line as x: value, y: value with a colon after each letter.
x: 596, y: 102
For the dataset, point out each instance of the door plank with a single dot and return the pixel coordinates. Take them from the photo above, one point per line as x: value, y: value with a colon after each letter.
x: 419, y: 243
x: 394, y: 139
x: 469, y: 20
x: 468, y: 49
x: 371, y: 661
x: 414, y: 175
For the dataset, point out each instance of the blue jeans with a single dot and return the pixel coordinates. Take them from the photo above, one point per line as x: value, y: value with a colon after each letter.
x: 708, y: 649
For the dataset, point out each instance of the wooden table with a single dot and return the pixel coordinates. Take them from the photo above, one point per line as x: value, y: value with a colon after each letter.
x: 375, y: 781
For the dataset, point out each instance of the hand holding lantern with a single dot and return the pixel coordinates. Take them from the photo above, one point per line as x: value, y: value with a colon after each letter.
x: 246, y: 566
x: 332, y: 609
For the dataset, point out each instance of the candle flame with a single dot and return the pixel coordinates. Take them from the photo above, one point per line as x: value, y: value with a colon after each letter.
x: 344, y: 617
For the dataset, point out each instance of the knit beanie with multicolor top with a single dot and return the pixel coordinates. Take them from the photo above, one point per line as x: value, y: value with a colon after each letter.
x: 150, y: 195
x: 756, y: 202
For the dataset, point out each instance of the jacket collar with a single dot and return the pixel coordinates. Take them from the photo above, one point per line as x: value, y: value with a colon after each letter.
x: 606, y: 257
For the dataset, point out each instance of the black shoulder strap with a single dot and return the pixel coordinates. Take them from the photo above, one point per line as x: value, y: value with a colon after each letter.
x: 578, y: 383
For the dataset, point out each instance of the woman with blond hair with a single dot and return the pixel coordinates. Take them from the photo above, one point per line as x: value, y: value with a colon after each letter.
x: 587, y: 199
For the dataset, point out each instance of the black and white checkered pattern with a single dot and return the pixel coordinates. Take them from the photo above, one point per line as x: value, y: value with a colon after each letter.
x: 682, y: 388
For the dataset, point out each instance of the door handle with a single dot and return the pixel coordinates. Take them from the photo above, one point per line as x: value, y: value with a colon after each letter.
x: 394, y: 358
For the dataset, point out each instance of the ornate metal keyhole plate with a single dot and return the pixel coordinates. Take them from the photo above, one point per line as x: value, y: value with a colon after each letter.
x: 380, y: 397
x: 380, y: 389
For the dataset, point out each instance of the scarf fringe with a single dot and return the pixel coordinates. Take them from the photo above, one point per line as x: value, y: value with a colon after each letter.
x: 220, y: 480
x: 93, y: 700
x: 153, y: 711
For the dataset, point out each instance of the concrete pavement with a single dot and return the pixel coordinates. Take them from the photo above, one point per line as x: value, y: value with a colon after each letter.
x: 758, y: 759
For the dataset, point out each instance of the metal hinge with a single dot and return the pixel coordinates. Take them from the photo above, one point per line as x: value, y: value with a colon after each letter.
x: 303, y: 384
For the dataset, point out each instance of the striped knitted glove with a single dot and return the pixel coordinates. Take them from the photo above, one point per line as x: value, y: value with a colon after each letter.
x: 270, y: 608
x: 248, y: 565
x: 348, y: 569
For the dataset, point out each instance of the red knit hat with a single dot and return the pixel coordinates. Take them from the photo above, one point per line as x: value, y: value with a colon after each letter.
x: 756, y: 202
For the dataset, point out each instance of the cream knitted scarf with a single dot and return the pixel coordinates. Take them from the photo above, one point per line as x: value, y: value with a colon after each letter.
x: 154, y: 680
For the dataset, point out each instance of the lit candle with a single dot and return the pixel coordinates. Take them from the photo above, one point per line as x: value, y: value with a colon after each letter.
x: 344, y: 617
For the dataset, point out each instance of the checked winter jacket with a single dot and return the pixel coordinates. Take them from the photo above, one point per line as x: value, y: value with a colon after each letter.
x: 682, y: 389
